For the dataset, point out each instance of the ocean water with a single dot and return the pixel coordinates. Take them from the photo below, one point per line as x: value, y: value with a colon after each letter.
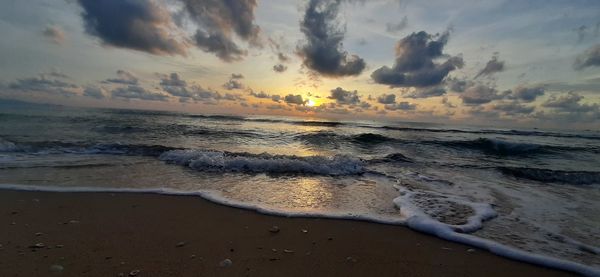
x: 532, y: 195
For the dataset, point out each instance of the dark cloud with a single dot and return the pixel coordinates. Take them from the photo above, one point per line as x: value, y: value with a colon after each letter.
x: 54, y: 34
x: 137, y: 92
x: 279, y: 68
x: 173, y: 80
x: 94, y: 92
x: 220, y: 45
x: 276, y: 98
x: 456, y: 85
x: 397, y: 27
x: 294, y: 99
x: 426, y: 92
x: 480, y: 94
x: 123, y: 77
x: 218, y: 21
x: 387, y: 99
x: 581, y: 32
x: 403, y: 106
x: 492, y: 66
x: 513, y: 108
x: 174, y: 85
x: 415, y: 64
x: 344, y: 97
x: 260, y: 94
x: 589, y: 58
x: 142, y: 25
x: 237, y: 76
x: 46, y: 83
x: 323, y: 52
x: 570, y: 102
x: 233, y: 82
x: 526, y: 94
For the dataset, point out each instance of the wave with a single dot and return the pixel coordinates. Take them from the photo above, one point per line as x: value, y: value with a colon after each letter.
x: 219, y: 161
x: 322, y: 138
x: 489, y: 131
x: 57, y: 147
x: 553, y: 176
x: 500, y: 147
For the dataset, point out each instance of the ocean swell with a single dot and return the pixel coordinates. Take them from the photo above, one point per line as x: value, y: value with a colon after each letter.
x: 553, y: 176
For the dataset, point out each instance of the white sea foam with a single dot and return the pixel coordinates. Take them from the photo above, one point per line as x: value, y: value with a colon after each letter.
x: 7, y: 146
x: 264, y: 163
x: 416, y: 219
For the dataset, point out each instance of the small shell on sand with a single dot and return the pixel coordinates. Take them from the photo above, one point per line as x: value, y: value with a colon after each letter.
x: 274, y: 229
x: 470, y: 250
x: 38, y: 245
x: 288, y: 251
x: 226, y: 263
x: 180, y: 244
x: 134, y: 272
x: 56, y: 268
x: 304, y: 231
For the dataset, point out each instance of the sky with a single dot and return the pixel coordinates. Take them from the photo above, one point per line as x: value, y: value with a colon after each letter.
x: 498, y: 63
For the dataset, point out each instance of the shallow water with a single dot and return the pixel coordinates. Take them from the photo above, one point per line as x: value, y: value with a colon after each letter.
x: 532, y: 190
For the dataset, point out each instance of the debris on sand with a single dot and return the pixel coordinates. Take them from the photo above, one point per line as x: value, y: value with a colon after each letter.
x: 38, y: 245
x: 274, y: 229
x: 56, y: 268
x: 226, y: 263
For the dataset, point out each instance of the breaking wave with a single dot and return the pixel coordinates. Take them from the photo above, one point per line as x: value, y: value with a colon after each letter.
x: 218, y: 161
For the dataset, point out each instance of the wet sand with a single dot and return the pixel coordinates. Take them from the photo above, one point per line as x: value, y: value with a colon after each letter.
x: 104, y: 234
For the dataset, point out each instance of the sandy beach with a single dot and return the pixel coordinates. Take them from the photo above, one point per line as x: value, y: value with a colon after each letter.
x: 104, y: 234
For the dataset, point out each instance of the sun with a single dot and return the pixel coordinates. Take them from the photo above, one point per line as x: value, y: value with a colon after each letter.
x: 310, y: 103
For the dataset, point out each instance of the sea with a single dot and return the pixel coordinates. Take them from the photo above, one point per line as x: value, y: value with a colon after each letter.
x: 526, y: 194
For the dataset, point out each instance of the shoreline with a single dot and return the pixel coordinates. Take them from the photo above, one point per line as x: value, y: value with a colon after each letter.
x: 104, y: 234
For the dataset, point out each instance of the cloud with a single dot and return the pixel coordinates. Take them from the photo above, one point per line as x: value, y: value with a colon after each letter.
x: 137, y: 92
x: 323, y: 52
x: 173, y: 80
x: 403, y: 106
x: 220, y: 45
x: 570, y: 103
x: 526, y: 94
x: 94, y: 92
x: 233, y: 82
x: 123, y: 77
x: 479, y: 94
x: 456, y: 85
x: 426, y: 92
x: 415, y: 64
x: 294, y: 99
x: 279, y: 68
x: 344, y: 97
x: 175, y: 86
x: 387, y: 99
x: 513, y: 108
x: 492, y: 66
x: 47, y: 83
x: 589, y: 58
x: 397, y: 27
x: 55, y: 34
x: 218, y: 21
x: 143, y: 25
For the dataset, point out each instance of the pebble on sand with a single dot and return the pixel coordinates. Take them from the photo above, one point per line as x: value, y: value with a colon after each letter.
x: 226, y: 263
x: 56, y: 268
x: 274, y: 229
